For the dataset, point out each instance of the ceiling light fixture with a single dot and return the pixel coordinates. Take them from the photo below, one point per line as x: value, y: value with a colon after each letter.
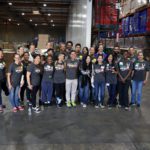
x: 52, y: 21
x: 10, y: 4
x: 36, y: 12
x: 44, y: 5
x: 30, y: 20
x: 9, y: 19
x: 49, y: 14
x: 35, y: 24
x: 22, y: 14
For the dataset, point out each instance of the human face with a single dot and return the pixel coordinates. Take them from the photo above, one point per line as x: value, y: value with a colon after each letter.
x: 49, y: 60
x: 61, y: 57
x: 21, y: 51
x: 17, y: 59
x: 50, y: 45
x: 73, y: 55
x: 85, y: 51
x: 78, y: 49
x: 88, y: 60
x: 140, y: 56
x: 125, y: 55
x: 32, y: 48
x: 37, y: 60
x: 117, y: 50
x: 92, y: 51
x: 26, y: 57
x: 100, y: 49
x: 100, y: 59
x: 110, y: 58
x: 62, y: 47
x: 69, y: 46
x: 132, y: 51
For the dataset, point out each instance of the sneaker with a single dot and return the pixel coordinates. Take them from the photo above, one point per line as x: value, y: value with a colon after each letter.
x: 126, y: 108
x: 138, y: 105
x: 68, y: 104
x: 35, y: 108
x: 102, y: 106
x: 14, y: 109
x: 109, y: 106
x: 37, y: 111
x: 73, y: 104
x: 1, y: 109
x: 119, y: 106
x: 20, y: 108
x: 96, y: 106
x: 84, y: 105
x: 59, y: 105
x: 132, y: 104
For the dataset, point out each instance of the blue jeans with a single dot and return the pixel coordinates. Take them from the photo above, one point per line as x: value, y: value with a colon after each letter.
x: 84, y: 93
x: 136, y: 89
x: 47, y: 91
x: 99, y: 92
x: 112, y: 92
x: 14, y: 96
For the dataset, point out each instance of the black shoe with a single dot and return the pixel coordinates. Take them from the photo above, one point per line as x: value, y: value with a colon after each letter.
x: 59, y: 105
x: 138, y: 105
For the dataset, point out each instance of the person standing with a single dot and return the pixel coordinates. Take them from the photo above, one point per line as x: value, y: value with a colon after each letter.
x: 99, y: 82
x: 140, y: 77
x: 111, y: 79
x: 72, y: 69
x: 15, y: 81
x: 2, y: 78
x: 59, y: 79
x: 124, y: 69
x: 34, y: 72
x: 24, y: 88
x: 47, y: 81
x: 84, y: 80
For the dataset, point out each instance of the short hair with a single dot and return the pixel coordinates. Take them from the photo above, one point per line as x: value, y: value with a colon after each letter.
x: 36, y: 55
x: 69, y: 42
x: 78, y: 44
x: 50, y: 49
x: 73, y: 51
x: 20, y: 47
x: 25, y: 53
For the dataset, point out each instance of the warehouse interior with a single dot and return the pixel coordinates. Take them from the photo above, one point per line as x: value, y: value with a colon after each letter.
x: 114, y: 22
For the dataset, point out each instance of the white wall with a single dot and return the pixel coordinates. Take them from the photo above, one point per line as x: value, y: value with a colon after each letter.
x: 79, y: 23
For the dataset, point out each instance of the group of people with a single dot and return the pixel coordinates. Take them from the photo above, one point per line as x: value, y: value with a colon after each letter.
x: 68, y: 76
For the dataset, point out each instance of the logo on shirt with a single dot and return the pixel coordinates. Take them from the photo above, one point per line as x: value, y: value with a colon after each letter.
x: 99, y: 70
x: 19, y: 69
x: 139, y: 66
x: 70, y: 65
x: 2, y: 65
x: 59, y: 67
x: 124, y: 66
x: 48, y: 68
x: 37, y: 70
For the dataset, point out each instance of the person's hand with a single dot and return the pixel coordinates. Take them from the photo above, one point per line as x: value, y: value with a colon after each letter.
x: 123, y: 80
x: 30, y: 87
x: 21, y: 83
x: 145, y: 82
x: 10, y: 87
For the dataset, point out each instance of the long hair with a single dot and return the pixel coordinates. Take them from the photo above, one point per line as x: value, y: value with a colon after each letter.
x: 85, y: 65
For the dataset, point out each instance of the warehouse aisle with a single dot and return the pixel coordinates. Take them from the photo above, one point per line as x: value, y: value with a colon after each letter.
x: 78, y: 128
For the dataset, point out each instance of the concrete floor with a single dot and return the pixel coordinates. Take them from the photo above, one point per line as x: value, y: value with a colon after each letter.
x: 77, y: 128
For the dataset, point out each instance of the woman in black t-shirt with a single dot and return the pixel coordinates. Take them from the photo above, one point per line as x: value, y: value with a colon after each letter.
x: 139, y: 76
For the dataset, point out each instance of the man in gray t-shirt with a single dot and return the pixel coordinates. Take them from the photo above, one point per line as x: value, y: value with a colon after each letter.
x: 72, y: 66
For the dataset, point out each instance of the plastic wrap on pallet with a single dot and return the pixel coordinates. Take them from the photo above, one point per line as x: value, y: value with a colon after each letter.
x: 136, y: 24
x: 121, y: 42
x: 125, y: 8
x: 142, y: 21
x: 131, y: 27
x: 135, y: 4
x: 128, y: 42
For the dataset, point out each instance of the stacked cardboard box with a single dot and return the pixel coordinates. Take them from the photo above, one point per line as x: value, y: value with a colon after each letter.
x: 42, y: 40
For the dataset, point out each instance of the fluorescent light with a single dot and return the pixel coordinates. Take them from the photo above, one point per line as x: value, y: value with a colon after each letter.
x: 49, y: 14
x: 36, y: 12
x: 44, y: 5
x: 30, y: 20
x: 52, y: 21
x: 9, y: 19
x: 10, y: 4
x: 22, y: 14
x: 18, y: 24
x: 53, y: 25
x: 35, y: 24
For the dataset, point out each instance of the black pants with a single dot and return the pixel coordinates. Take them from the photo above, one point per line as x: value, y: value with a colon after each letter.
x: 123, y: 93
x: 27, y: 93
x: 59, y: 90
x: 4, y: 87
x: 34, y: 94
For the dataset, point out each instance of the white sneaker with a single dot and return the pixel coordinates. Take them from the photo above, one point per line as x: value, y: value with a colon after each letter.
x: 102, y: 106
x: 84, y: 105
x: 126, y: 108
x: 36, y: 108
x: 96, y: 106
